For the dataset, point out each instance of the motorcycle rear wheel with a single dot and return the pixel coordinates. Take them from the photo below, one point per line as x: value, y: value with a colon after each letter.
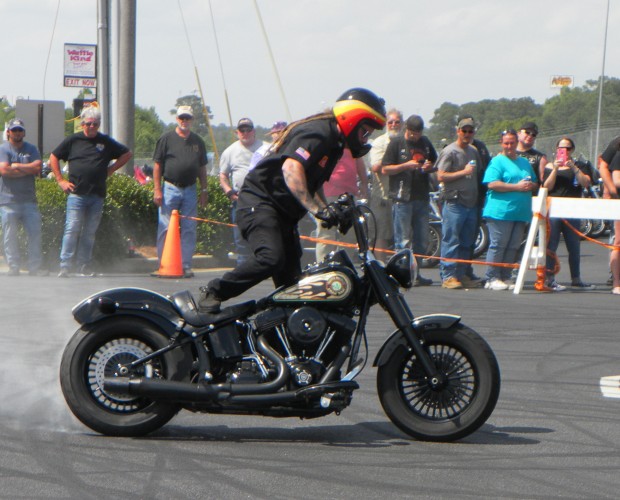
x: 94, y: 353
x: 456, y: 409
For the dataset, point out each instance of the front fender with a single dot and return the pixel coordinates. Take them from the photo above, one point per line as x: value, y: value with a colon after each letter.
x: 421, y: 324
x: 127, y: 301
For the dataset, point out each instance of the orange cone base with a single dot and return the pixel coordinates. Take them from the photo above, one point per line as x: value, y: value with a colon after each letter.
x: 541, y: 275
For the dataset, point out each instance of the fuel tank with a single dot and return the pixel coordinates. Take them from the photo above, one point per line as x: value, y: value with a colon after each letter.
x: 332, y: 283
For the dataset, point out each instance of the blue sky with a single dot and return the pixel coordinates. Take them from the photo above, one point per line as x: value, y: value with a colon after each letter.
x: 415, y: 53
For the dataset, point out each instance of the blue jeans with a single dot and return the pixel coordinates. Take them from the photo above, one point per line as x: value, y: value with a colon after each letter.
x: 241, y: 245
x: 505, y: 238
x: 573, y: 245
x: 29, y: 216
x: 411, y: 226
x: 458, y: 235
x: 83, y: 217
x: 185, y: 200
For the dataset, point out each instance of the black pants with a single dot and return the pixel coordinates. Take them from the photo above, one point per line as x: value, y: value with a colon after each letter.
x: 276, y: 253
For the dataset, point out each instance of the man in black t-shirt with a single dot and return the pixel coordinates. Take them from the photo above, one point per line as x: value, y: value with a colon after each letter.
x: 285, y: 185
x: 609, y: 168
x: 180, y: 158
x: 409, y: 160
x: 527, y: 137
x: 89, y: 155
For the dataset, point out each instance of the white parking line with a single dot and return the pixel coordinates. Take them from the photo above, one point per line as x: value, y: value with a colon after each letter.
x: 610, y: 386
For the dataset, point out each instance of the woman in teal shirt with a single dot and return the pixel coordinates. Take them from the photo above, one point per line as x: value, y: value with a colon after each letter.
x: 510, y: 180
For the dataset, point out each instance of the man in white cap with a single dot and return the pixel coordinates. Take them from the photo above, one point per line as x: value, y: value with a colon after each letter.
x: 20, y: 163
x: 180, y: 158
x: 234, y: 166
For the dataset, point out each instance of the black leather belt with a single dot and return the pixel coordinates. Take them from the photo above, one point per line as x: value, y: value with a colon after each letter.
x: 179, y: 184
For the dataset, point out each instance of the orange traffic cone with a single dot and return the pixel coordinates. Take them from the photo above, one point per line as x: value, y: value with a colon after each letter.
x: 171, y: 265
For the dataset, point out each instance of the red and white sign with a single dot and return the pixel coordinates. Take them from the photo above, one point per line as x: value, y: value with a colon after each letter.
x: 80, y: 63
x: 80, y: 82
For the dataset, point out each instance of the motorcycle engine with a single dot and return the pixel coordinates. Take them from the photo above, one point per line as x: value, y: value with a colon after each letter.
x: 306, y: 326
x: 307, y: 338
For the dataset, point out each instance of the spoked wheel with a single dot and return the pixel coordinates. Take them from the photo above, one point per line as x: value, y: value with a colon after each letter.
x: 103, y: 351
x: 599, y: 227
x: 586, y: 226
x: 434, y: 245
x: 482, y: 240
x: 455, y: 407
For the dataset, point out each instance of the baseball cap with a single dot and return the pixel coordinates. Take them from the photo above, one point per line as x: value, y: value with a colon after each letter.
x: 277, y: 127
x: 530, y: 126
x: 466, y: 122
x: 16, y: 123
x: 245, y: 122
x: 185, y: 111
x: 414, y: 123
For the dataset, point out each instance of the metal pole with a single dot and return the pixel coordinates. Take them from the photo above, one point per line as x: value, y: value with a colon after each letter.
x: 103, y: 64
x: 125, y: 124
x: 600, y: 89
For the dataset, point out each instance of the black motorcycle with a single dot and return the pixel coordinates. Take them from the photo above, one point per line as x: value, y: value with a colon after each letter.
x: 140, y: 357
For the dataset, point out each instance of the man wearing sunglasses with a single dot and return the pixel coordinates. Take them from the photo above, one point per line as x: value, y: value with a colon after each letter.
x: 180, y: 158
x: 457, y: 170
x: 380, y: 202
x: 527, y: 137
x: 89, y: 155
x: 20, y: 163
x: 234, y: 166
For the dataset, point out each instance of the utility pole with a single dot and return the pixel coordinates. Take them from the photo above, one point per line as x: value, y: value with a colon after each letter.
x: 103, y: 63
x: 125, y: 123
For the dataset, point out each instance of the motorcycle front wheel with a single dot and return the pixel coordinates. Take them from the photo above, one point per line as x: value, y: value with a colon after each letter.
x: 460, y: 405
x: 96, y: 352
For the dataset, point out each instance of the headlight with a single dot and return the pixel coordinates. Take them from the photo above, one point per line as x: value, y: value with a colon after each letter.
x: 403, y: 268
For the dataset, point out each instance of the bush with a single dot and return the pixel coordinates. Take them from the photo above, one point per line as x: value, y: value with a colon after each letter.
x: 129, y: 214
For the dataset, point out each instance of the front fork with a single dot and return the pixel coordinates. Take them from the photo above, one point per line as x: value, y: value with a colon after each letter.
x: 394, y: 303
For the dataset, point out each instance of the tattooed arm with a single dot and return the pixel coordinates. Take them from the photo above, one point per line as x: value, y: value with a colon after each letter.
x: 295, y: 179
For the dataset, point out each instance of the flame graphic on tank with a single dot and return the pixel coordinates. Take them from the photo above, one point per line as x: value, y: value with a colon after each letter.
x: 330, y: 286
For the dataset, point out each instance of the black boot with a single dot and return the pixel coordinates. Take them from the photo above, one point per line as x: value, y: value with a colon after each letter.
x: 208, y: 303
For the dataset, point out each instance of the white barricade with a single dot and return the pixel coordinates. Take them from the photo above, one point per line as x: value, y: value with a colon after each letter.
x: 564, y: 208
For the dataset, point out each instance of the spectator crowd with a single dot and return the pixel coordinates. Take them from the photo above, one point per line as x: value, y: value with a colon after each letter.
x: 397, y: 178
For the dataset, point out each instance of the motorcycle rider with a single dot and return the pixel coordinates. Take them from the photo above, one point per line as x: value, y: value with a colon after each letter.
x: 285, y: 185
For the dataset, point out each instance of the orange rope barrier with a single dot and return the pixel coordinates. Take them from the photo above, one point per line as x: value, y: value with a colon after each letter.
x: 353, y: 245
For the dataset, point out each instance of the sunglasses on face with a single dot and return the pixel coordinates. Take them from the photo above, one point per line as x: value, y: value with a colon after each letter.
x: 185, y: 118
x: 245, y: 130
x: 529, y: 132
x: 91, y: 124
x: 17, y: 130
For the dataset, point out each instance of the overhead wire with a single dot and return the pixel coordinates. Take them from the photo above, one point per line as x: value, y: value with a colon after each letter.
x: 202, y: 99
x: 219, y: 60
x: 49, y: 50
x: 273, y: 62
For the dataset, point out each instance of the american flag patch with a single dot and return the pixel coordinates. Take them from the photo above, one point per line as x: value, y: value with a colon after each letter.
x: 303, y: 153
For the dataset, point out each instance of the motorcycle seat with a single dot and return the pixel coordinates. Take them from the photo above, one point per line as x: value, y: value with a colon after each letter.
x: 186, y: 306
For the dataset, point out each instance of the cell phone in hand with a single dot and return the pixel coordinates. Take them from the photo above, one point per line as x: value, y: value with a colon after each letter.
x: 561, y: 155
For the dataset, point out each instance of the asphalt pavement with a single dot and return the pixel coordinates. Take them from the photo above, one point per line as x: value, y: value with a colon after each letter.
x: 552, y: 435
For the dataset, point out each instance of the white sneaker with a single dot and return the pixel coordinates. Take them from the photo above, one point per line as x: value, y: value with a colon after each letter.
x: 496, y: 285
x: 556, y: 287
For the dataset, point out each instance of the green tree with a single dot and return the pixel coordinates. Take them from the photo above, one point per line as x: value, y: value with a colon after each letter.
x: 7, y: 112
x: 149, y: 127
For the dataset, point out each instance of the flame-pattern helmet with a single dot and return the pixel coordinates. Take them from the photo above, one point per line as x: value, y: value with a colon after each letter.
x: 354, y: 108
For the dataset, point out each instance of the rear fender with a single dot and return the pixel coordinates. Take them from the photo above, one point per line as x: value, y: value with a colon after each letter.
x: 128, y: 302
x: 421, y: 324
